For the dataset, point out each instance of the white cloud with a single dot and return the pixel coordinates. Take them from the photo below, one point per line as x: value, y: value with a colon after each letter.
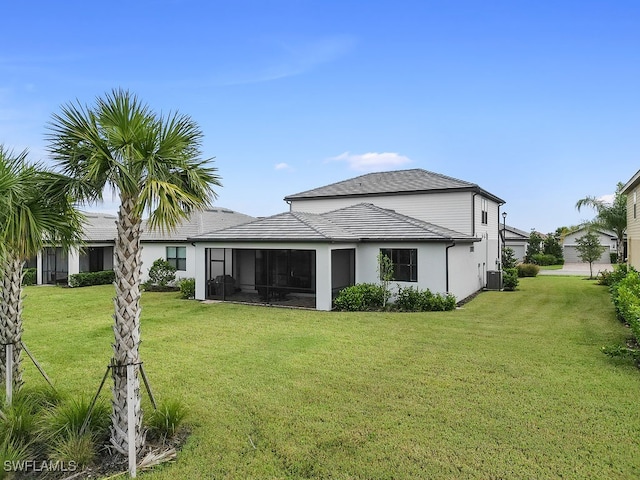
x: 608, y: 199
x: 372, y: 161
x: 282, y: 166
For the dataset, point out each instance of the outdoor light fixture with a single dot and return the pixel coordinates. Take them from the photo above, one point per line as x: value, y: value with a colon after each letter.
x: 504, y: 229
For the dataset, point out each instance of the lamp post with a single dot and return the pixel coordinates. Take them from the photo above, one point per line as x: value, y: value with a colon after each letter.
x: 504, y: 231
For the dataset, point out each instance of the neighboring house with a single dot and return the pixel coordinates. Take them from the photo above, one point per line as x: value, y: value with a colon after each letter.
x: 516, y: 239
x: 441, y: 233
x: 607, y: 240
x: 632, y: 191
x: 55, y: 265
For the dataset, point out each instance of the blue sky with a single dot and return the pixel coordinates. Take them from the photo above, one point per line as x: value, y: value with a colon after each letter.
x: 538, y: 102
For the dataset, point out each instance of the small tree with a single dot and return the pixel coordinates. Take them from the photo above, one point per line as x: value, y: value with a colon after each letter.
x: 385, y: 269
x: 553, y: 247
x: 509, y: 259
x: 589, y: 249
x: 534, y: 246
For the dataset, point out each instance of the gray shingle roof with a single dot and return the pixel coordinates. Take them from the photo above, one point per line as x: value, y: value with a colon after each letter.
x: 356, y: 223
x: 513, y: 232
x: 101, y: 227
x: 200, y: 222
x: 415, y: 180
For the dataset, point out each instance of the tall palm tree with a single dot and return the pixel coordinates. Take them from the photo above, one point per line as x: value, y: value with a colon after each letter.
x: 153, y: 163
x: 610, y: 216
x: 35, y: 210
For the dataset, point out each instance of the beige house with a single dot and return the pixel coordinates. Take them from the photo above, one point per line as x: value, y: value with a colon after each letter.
x: 632, y: 191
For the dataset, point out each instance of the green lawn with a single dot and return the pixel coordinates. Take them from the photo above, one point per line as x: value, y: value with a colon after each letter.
x: 513, y: 385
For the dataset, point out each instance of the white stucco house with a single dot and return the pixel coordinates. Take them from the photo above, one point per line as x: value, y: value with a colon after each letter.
x: 440, y: 232
x: 55, y: 265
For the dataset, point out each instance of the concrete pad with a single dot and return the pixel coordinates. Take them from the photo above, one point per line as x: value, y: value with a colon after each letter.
x: 579, y: 269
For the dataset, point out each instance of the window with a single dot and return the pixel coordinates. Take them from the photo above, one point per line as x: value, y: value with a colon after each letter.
x: 634, y: 205
x: 177, y: 256
x: 485, y: 211
x: 405, y: 263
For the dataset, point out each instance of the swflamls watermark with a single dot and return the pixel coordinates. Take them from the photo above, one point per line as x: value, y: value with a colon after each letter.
x: 39, y: 466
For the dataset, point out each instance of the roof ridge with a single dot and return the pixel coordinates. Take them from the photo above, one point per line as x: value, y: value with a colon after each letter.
x: 313, y: 227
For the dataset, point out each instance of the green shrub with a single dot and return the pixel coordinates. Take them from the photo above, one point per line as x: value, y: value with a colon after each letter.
x: 510, y: 279
x: 544, y: 259
x: 360, y: 297
x: 187, y: 288
x: 527, y: 270
x: 613, y: 258
x: 87, y: 279
x: 30, y: 276
x: 624, y: 285
x: 161, y: 273
x: 441, y: 302
x: 411, y: 299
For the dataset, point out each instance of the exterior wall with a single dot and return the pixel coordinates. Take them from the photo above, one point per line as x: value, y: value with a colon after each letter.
x: 451, y: 210
x: 633, y: 227
x: 431, y: 265
x: 467, y: 272
x: 487, y: 251
x: 152, y: 251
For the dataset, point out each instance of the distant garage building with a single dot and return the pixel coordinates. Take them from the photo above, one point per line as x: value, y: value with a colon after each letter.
x: 570, y: 245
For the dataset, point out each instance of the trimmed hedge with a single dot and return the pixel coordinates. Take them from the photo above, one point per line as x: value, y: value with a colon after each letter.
x: 360, y: 297
x: 625, y: 294
x: 410, y: 299
x: 88, y: 279
x: 370, y: 297
x: 528, y: 270
x: 545, y: 259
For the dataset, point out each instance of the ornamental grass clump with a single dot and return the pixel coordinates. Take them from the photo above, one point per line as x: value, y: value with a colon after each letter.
x: 165, y: 421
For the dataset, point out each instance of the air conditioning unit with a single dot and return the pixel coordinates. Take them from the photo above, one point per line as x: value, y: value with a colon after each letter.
x: 494, y: 280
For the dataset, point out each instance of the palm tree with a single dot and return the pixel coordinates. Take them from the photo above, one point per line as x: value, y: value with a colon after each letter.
x: 153, y: 163
x: 35, y: 210
x: 610, y: 216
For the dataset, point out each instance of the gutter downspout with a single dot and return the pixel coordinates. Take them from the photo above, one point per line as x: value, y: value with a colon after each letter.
x: 446, y: 261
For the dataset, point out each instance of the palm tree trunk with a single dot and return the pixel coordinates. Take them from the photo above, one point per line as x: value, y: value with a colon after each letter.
x: 11, y: 316
x: 126, y: 326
